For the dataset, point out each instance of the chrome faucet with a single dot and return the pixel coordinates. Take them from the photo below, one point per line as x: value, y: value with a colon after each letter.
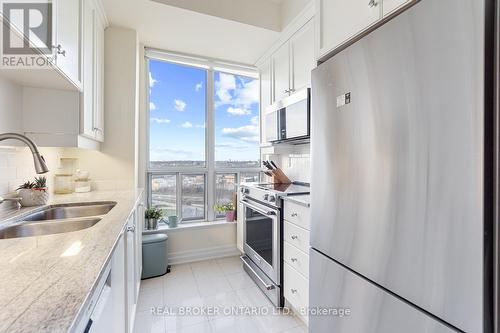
x: 40, y: 165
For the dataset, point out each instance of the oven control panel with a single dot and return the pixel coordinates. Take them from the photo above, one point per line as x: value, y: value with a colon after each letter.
x: 261, y: 195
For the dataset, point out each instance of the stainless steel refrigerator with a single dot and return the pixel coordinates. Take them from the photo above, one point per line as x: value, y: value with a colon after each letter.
x: 402, y: 175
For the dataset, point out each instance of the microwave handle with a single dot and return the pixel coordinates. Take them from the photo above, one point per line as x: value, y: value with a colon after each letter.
x: 260, y: 210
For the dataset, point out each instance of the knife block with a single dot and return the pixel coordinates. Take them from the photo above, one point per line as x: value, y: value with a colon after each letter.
x: 279, y: 177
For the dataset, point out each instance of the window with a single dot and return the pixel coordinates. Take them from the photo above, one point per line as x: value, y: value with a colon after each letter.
x: 236, y: 121
x: 177, y: 108
x: 193, y: 197
x: 225, y: 187
x: 203, y: 134
x: 164, y: 193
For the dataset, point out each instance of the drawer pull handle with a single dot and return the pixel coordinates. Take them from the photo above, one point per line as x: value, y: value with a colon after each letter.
x: 295, y: 214
x: 294, y: 237
x: 372, y: 3
x: 293, y: 259
x: 294, y: 291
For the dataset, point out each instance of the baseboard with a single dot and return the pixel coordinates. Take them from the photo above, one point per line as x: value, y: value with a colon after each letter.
x: 215, y: 252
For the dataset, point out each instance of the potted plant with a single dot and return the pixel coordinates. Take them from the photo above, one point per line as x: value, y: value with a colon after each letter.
x: 227, y: 208
x: 34, y: 193
x: 153, y: 215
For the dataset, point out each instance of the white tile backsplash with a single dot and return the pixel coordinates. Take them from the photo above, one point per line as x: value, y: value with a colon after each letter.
x: 295, y: 161
x: 16, y: 167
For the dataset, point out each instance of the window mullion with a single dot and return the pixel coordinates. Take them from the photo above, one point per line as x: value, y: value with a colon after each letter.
x: 179, y: 194
x: 210, y: 133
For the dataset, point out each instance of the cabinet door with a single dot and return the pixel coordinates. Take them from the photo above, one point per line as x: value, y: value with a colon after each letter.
x: 68, y: 31
x: 340, y: 20
x: 87, y: 100
x: 281, y: 72
x: 265, y: 94
x: 391, y: 5
x: 99, y: 77
x: 131, y: 249
x: 239, y: 223
x: 138, y: 246
x: 302, y: 56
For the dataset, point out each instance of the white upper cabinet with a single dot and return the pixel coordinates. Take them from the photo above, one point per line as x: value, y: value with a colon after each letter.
x: 391, y: 5
x: 92, y: 108
x: 281, y: 72
x: 68, y: 43
x: 265, y: 94
x: 340, y: 20
x: 293, y: 62
x: 302, y: 54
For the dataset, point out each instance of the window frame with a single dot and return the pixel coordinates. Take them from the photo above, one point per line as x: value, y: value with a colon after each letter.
x: 209, y: 170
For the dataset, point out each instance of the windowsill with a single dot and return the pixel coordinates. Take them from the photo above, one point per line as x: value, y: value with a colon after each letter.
x: 163, y: 228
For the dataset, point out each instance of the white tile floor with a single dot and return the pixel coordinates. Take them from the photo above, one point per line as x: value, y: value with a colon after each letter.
x: 220, y: 284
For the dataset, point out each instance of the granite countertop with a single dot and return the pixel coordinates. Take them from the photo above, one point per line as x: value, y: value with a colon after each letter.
x: 304, y: 199
x: 42, y: 288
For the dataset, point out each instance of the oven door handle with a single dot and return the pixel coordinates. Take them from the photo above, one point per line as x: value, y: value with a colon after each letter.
x: 260, y: 210
x: 267, y: 286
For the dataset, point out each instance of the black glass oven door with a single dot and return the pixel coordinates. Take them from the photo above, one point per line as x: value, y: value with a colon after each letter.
x: 259, y: 234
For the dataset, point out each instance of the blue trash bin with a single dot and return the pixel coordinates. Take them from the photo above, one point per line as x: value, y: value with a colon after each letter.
x: 154, y: 255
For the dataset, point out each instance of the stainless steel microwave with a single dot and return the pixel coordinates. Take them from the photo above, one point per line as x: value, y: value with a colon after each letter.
x: 288, y: 120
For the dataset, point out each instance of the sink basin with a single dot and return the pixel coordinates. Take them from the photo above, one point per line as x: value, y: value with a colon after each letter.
x: 58, y: 212
x: 47, y: 228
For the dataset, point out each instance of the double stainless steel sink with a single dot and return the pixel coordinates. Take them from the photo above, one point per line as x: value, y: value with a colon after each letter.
x: 57, y: 219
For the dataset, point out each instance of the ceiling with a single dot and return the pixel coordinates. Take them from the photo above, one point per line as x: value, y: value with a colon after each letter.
x: 234, y: 30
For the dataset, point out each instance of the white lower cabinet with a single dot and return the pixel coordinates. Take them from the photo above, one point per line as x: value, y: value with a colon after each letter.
x: 296, y: 258
x: 296, y: 291
x: 239, y: 223
x: 296, y: 236
x: 133, y: 255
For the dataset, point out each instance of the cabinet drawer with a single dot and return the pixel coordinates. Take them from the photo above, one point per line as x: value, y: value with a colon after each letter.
x: 297, y: 259
x: 298, y: 214
x: 296, y: 288
x: 297, y: 236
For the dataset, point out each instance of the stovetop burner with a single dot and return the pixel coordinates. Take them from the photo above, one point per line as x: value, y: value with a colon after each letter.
x: 287, y: 189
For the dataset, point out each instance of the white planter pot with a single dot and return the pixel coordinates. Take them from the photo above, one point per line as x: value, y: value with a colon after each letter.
x: 30, y: 198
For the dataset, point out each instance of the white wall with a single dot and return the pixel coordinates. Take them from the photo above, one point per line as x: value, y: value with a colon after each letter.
x: 195, y: 244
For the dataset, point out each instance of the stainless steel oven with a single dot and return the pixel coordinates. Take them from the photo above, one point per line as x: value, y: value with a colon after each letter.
x: 262, y: 235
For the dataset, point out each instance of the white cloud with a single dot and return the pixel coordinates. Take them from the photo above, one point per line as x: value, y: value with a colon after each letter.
x: 255, y: 120
x: 198, y: 86
x: 248, y: 133
x: 179, y: 105
x: 187, y: 124
x: 160, y: 120
x: 248, y: 94
x: 238, y: 94
x: 200, y: 125
x: 152, y: 106
x: 224, y: 86
x: 238, y: 111
x: 152, y: 81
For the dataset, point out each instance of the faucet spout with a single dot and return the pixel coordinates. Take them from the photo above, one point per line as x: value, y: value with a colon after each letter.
x: 38, y: 160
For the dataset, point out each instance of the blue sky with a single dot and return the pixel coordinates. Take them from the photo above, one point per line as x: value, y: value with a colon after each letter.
x: 177, y: 114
